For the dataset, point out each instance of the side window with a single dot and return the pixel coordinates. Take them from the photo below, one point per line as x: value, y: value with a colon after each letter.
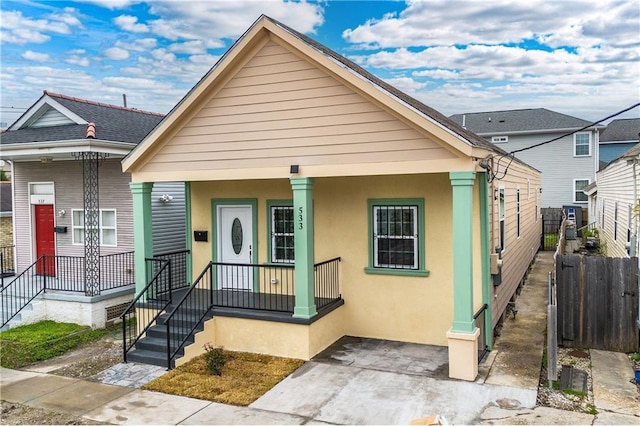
x: 396, y: 232
x: 281, y: 233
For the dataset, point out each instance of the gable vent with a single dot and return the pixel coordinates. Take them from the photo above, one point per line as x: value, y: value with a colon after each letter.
x: 51, y: 117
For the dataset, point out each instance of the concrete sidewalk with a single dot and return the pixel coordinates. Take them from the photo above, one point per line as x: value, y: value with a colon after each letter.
x: 367, y: 381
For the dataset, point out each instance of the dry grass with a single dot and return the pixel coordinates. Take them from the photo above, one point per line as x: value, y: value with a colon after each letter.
x: 245, y: 377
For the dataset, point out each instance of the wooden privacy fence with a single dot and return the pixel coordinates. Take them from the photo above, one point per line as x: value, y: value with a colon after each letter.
x: 597, y: 301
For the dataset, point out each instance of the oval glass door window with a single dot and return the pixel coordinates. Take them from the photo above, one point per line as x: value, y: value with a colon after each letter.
x: 236, y: 236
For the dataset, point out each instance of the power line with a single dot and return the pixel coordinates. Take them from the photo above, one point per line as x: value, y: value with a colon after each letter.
x: 576, y: 131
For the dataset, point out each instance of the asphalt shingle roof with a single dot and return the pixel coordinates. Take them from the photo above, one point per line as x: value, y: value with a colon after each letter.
x: 519, y: 120
x: 623, y: 130
x: 113, y: 123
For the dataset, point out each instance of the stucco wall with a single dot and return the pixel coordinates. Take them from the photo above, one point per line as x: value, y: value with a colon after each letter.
x: 405, y: 308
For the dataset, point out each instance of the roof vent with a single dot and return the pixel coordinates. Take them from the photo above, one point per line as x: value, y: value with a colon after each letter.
x: 489, y: 120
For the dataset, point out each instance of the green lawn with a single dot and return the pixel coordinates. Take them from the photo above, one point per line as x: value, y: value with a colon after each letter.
x: 551, y: 240
x: 30, y: 343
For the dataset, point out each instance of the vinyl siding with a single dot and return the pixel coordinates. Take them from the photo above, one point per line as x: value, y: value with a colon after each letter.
x: 615, y: 183
x: 67, y: 178
x: 169, y: 220
x: 519, y: 251
x: 279, y: 110
x: 557, y: 163
x: 51, y: 118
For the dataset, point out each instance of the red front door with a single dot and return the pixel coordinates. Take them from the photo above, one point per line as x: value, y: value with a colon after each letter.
x: 45, y: 238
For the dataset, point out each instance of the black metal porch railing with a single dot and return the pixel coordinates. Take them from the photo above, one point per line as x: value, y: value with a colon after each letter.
x: 116, y: 271
x: 327, y: 282
x: 23, y: 289
x: 253, y: 286
x: 179, y: 278
x: 189, y: 312
x: 479, y: 318
x: 149, y: 304
x: 7, y: 267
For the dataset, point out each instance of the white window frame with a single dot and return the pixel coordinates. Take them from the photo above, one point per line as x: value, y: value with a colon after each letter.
x: 101, y: 227
x: 502, y: 214
x: 575, y: 191
x: 575, y: 144
x: 274, y: 234
x: 499, y: 139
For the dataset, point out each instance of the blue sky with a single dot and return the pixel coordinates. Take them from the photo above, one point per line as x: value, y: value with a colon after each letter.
x: 578, y: 57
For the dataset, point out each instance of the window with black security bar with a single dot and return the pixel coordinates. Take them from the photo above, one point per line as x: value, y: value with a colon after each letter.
x: 282, y: 240
x: 395, y: 237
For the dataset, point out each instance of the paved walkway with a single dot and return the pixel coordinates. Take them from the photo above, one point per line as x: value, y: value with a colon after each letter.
x: 359, y: 381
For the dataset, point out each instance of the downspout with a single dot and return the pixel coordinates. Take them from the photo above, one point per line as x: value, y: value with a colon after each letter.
x: 637, y: 228
x: 485, y: 236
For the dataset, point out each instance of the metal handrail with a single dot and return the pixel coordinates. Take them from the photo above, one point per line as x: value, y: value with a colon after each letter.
x: 18, y: 288
x: 151, y: 288
x: 191, y: 325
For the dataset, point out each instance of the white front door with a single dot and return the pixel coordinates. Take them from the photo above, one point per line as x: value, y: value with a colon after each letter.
x: 235, y: 239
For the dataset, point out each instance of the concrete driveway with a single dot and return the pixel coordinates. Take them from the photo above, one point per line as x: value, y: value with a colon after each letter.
x: 368, y: 381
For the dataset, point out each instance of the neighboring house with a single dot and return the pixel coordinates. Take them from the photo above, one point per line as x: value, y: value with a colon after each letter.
x: 567, y: 164
x: 619, y: 137
x: 73, y: 214
x: 6, y: 230
x: 324, y: 202
x: 5, y: 168
x: 616, y: 204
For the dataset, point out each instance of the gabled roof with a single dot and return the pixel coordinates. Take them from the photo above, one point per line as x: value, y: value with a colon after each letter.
x: 518, y: 121
x: 622, y: 130
x: 461, y: 139
x: 71, y: 117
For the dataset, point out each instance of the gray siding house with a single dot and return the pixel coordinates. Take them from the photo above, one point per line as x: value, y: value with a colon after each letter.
x: 73, y: 211
x: 567, y: 164
x: 620, y: 136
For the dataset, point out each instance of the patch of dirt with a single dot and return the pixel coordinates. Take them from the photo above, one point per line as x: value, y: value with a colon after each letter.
x: 18, y: 414
x: 83, y: 362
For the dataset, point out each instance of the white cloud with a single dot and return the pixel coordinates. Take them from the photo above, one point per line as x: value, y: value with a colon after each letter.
x: 78, y: 60
x: 192, y: 47
x: 18, y: 29
x: 111, y: 4
x: 116, y: 53
x: 30, y: 55
x: 138, y: 45
x: 130, y: 23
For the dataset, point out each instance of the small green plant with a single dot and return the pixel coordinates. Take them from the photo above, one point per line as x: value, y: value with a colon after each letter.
x: 635, y: 356
x: 574, y: 392
x: 215, y: 358
x: 591, y: 409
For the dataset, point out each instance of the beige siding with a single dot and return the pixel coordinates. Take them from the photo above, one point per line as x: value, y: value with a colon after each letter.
x: 67, y: 178
x: 279, y: 110
x: 615, y: 184
x: 519, y: 250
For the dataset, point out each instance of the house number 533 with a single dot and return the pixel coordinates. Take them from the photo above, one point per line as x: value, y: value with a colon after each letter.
x: 300, y: 219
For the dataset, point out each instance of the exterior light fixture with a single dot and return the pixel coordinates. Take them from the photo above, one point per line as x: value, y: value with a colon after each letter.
x: 294, y: 169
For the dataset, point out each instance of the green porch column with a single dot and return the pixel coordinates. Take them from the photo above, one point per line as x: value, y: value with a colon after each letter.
x: 142, y: 233
x: 305, y: 306
x: 486, y: 250
x: 462, y: 184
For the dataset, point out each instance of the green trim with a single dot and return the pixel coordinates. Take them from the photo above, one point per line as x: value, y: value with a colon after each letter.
x: 142, y: 231
x: 485, y: 247
x: 422, y: 271
x: 274, y: 203
x: 305, y: 306
x: 187, y: 198
x: 253, y: 202
x: 462, y: 188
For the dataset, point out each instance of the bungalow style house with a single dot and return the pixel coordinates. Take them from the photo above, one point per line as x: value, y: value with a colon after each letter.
x: 615, y: 204
x: 324, y: 202
x: 567, y: 164
x: 620, y: 136
x: 73, y: 214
